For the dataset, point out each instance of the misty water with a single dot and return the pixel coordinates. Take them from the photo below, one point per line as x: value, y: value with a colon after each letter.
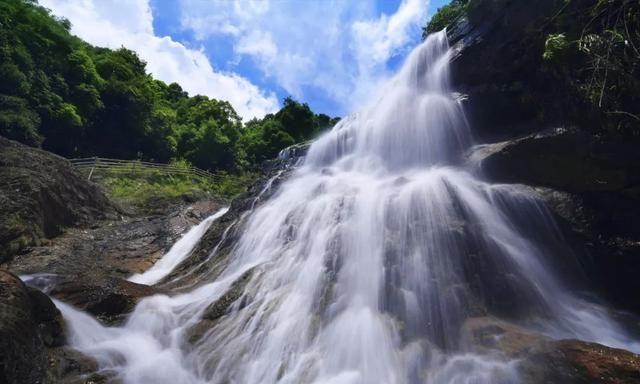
x: 364, y: 265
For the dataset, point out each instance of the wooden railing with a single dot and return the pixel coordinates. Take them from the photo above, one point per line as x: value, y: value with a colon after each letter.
x: 94, y: 166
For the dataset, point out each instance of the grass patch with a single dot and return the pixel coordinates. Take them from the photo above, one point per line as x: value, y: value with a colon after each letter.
x: 146, y: 192
x: 153, y: 188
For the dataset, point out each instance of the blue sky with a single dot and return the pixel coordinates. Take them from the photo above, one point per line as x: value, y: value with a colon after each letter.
x: 329, y: 53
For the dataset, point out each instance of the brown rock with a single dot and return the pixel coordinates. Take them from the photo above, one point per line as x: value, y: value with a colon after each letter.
x: 579, y: 362
x: 107, y: 298
x: 546, y: 361
x: 490, y: 335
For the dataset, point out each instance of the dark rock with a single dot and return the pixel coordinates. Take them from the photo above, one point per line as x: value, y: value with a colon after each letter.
x: 48, y: 318
x: 108, y: 299
x: 578, y: 362
x: 499, y: 65
x: 29, y: 322
x: 68, y: 366
x: 568, y: 160
x: 219, y: 308
x: 500, y: 46
x: 40, y: 194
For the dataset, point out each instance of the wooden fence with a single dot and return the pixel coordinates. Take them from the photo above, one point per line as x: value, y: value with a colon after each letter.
x: 98, y: 166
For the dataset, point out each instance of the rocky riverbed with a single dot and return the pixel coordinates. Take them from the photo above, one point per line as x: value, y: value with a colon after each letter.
x: 64, y: 229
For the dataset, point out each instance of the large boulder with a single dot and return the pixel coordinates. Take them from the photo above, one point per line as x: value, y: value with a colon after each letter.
x: 579, y: 362
x: 41, y: 194
x: 107, y: 298
x: 29, y: 325
x: 568, y: 160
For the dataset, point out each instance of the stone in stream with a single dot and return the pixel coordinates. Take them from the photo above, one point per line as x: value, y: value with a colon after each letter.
x: 107, y: 298
x: 29, y: 324
x: 541, y: 360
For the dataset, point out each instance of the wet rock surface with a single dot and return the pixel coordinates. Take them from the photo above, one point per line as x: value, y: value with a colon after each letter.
x: 211, y: 254
x: 109, y: 299
x: 68, y: 366
x: 568, y: 160
x: 87, y: 268
x: 29, y: 324
x: 579, y: 362
x: 115, y: 248
x: 543, y: 360
x: 593, y: 186
x: 500, y: 46
x: 589, y: 176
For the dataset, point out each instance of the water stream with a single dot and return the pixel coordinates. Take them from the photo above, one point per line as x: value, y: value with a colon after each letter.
x: 177, y: 253
x: 365, y: 264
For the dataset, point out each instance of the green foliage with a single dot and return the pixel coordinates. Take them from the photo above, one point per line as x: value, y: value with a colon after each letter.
x: 445, y: 16
x: 231, y: 185
x: 18, y: 121
x: 593, y: 55
x: 295, y: 122
x: 297, y: 119
x: 148, y: 187
x: 555, y: 46
x: 78, y: 100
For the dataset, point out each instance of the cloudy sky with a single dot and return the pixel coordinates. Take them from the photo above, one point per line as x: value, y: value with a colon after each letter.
x: 328, y: 53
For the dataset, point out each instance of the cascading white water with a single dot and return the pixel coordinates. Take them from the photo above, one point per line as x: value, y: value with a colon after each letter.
x: 365, y: 264
x: 177, y: 253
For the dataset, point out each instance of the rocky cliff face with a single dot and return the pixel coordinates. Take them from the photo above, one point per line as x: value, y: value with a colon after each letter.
x: 40, y: 195
x: 588, y: 173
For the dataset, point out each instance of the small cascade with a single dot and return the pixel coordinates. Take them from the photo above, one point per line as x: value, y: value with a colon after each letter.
x: 178, y: 252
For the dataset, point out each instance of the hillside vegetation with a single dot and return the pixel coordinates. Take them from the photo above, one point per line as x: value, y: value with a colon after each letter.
x: 77, y: 100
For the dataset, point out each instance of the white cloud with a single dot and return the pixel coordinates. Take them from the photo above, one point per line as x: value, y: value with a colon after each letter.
x: 339, y: 47
x: 129, y: 23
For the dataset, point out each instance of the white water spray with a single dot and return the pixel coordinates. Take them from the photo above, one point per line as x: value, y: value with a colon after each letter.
x: 177, y: 253
x: 365, y: 264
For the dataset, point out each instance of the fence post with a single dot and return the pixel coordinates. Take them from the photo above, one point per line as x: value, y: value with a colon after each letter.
x: 95, y: 162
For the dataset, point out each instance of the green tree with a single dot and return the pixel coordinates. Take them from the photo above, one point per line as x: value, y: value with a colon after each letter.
x: 297, y: 120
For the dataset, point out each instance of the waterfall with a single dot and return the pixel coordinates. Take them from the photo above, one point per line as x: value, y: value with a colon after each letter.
x: 365, y: 264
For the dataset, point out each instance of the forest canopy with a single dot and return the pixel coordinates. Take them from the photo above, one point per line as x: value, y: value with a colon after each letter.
x: 74, y: 99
